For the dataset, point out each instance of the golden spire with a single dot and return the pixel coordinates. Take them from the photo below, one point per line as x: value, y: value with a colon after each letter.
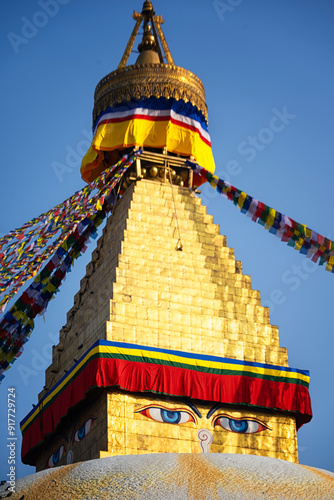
x: 153, y: 74
x: 152, y: 29
x: 148, y: 48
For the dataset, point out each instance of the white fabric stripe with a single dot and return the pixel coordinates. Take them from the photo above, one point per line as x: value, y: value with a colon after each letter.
x: 192, y: 123
x: 130, y: 112
x: 152, y: 112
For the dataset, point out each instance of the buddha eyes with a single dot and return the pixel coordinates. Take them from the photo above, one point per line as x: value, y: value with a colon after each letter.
x: 166, y: 415
x: 55, y: 457
x: 240, y: 425
x: 79, y: 434
x: 83, y: 430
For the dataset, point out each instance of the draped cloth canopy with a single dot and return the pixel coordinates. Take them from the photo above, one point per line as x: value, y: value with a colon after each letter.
x: 149, y: 122
x: 137, y: 368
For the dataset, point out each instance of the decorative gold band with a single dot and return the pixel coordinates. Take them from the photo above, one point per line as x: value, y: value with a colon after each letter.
x: 158, y: 80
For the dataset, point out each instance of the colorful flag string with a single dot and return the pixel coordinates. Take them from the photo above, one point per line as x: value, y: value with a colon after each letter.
x: 24, y: 250
x: 18, y: 323
x: 309, y: 243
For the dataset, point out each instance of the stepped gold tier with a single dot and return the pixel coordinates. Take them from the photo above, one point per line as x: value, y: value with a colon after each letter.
x: 141, y: 289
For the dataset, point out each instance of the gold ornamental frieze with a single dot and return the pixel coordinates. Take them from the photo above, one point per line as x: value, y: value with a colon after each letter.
x: 158, y: 80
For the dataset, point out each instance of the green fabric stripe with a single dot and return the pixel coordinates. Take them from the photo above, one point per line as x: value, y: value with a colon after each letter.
x: 203, y: 369
x: 140, y: 359
x: 70, y: 380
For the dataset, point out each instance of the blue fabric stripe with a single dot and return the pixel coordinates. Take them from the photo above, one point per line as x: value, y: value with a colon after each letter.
x: 203, y: 357
x: 180, y: 107
x: 98, y: 342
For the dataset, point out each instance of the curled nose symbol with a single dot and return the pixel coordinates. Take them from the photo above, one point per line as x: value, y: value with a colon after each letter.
x: 205, y: 439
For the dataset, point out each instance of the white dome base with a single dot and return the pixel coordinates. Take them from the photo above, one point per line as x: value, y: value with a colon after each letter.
x: 210, y: 476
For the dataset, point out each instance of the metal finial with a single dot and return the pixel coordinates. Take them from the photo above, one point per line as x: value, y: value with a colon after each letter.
x: 148, y: 10
x: 148, y: 18
x: 148, y: 42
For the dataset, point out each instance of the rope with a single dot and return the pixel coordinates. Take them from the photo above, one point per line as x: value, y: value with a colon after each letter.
x: 179, y: 245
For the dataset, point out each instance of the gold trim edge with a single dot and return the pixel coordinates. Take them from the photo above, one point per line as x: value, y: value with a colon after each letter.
x: 158, y: 80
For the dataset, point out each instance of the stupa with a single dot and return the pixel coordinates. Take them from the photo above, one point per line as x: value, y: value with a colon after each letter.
x: 167, y: 348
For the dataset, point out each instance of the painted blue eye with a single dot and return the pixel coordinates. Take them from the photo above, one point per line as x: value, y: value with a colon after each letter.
x: 171, y: 417
x: 83, y: 430
x: 241, y: 426
x: 81, y: 433
x: 167, y: 416
x: 55, y: 457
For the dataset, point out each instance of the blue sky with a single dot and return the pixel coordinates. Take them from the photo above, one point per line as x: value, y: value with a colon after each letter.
x: 257, y: 60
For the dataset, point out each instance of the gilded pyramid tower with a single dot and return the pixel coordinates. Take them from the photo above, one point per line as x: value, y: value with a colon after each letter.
x: 167, y: 347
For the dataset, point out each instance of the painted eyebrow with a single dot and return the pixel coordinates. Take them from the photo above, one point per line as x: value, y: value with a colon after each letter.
x: 192, y: 407
x: 213, y: 409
